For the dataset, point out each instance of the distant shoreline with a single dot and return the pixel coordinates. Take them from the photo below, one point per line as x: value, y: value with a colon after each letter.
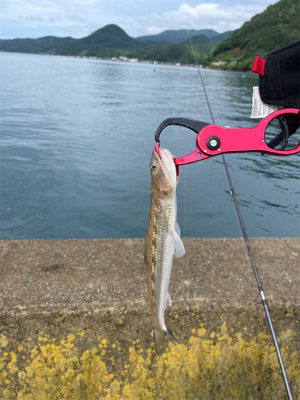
x: 127, y: 60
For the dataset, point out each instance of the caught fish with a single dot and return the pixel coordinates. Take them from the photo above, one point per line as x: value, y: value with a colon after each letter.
x: 162, y: 240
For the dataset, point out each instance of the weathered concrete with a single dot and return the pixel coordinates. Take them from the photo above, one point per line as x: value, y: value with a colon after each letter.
x: 46, y: 276
x: 51, y: 277
x: 59, y: 287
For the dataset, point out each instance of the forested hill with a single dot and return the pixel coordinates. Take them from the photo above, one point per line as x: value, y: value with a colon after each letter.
x: 276, y: 27
x: 46, y: 44
x: 112, y: 41
x: 109, y: 37
x: 172, y: 36
x: 108, y: 41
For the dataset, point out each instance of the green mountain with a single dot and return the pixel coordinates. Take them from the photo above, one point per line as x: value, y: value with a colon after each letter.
x: 172, y: 36
x: 202, y: 39
x: 175, y: 53
x: 108, y: 41
x: 112, y: 41
x: 276, y: 27
x: 46, y: 44
x: 197, y: 39
x: 220, y: 37
x: 182, y: 52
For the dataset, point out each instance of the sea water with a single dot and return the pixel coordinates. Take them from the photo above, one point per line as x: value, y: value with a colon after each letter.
x: 76, y: 137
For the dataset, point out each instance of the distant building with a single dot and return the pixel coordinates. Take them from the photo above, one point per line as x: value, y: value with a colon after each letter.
x: 219, y: 63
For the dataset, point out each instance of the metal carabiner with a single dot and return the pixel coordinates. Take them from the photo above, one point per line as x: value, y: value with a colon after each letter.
x: 213, y: 140
x: 192, y: 124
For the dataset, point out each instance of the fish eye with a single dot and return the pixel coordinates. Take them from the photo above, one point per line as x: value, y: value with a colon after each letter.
x: 154, y: 167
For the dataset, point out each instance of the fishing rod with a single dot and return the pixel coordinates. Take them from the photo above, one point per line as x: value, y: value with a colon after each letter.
x: 213, y: 140
x: 245, y: 235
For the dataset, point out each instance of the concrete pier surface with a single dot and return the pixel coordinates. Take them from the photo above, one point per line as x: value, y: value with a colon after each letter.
x: 55, y: 288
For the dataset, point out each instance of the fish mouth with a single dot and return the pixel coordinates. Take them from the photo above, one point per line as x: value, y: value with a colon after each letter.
x: 157, y: 149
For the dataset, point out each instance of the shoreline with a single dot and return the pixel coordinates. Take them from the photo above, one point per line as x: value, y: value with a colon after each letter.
x: 136, y: 61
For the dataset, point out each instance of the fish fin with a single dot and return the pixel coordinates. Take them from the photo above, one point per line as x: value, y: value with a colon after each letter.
x: 171, y: 334
x: 158, y: 340
x: 159, y: 337
x: 169, y: 301
x: 178, y: 246
x: 165, y: 217
x: 177, y: 229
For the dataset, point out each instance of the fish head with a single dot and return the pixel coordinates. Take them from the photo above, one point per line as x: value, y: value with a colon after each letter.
x: 163, y: 173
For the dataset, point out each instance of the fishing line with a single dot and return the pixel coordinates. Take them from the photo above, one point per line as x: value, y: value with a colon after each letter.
x: 250, y: 270
x: 247, y: 244
x: 185, y: 188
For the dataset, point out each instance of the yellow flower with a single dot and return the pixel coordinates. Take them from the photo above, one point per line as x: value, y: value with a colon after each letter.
x: 3, y: 342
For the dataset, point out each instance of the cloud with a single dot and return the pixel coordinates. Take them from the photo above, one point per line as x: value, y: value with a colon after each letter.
x: 78, y: 18
x: 218, y: 16
x: 57, y: 17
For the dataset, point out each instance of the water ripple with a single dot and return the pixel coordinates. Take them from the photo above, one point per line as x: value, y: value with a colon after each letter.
x: 76, y: 139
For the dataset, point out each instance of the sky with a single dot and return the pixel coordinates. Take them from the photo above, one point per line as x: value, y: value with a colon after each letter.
x: 79, y: 18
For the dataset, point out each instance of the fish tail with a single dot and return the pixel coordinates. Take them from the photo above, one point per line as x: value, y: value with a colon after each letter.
x: 171, y: 334
x: 159, y: 338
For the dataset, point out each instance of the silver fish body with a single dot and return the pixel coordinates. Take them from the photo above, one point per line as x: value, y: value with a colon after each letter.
x: 162, y: 240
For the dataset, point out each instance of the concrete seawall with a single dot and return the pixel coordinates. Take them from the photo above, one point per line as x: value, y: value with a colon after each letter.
x: 60, y: 287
